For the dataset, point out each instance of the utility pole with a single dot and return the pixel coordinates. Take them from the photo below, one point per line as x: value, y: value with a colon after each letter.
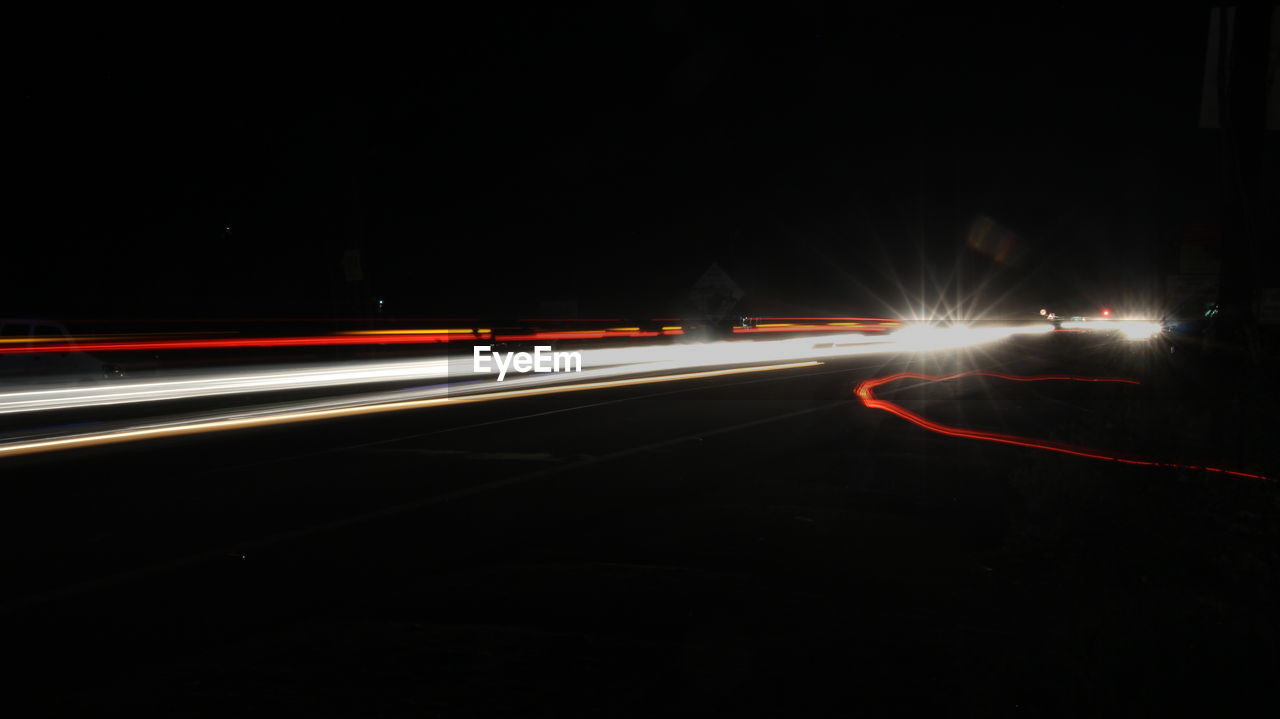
x: 1241, y: 108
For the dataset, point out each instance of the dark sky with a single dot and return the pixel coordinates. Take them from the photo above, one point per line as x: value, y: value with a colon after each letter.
x: 831, y: 158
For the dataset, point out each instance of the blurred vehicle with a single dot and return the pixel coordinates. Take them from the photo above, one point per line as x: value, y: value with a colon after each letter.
x: 1190, y: 324
x: 1107, y: 322
x: 1076, y: 315
x: 67, y: 365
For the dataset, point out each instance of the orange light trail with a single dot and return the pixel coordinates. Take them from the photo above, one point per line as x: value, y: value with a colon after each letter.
x: 864, y: 392
x: 413, y: 332
x: 576, y: 335
x: 121, y: 343
x: 810, y: 324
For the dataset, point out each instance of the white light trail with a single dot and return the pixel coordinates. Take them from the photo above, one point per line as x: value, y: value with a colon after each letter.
x: 1131, y: 329
x: 213, y: 384
x: 605, y: 367
x: 213, y: 422
x: 600, y: 362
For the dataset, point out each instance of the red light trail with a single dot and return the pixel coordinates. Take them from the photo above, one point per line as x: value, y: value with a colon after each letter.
x: 864, y: 392
x: 242, y: 342
x: 371, y: 338
x: 431, y: 336
x: 579, y: 335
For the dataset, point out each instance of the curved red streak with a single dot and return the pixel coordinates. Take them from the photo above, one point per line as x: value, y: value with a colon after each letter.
x: 864, y: 392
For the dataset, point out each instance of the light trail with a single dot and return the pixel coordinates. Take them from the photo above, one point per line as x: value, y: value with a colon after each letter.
x: 1131, y: 329
x: 215, y: 384
x: 288, y: 417
x: 613, y: 360
x: 135, y: 342
x: 187, y: 344
x: 880, y: 320
x: 865, y: 392
x: 469, y: 333
x: 843, y: 327
x: 756, y: 325
x: 574, y: 335
x: 607, y: 368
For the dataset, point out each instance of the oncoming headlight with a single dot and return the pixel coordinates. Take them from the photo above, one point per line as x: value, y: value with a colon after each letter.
x: 1139, y: 330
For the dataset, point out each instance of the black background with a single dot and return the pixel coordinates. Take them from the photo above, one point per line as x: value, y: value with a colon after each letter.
x: 833, y: 159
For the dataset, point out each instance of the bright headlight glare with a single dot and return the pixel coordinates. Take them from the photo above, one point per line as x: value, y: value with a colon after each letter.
x: 1136, y: 330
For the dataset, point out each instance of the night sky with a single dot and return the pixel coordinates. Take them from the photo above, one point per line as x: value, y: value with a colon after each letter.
x: 832, y: 159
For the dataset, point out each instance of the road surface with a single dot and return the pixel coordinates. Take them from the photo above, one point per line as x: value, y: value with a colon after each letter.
x: 755, y: 543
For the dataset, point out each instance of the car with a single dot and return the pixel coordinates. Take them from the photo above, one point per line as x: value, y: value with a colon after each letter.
x: 1105, y: 321
x: 1191, y: 325
x: 1071, y: 318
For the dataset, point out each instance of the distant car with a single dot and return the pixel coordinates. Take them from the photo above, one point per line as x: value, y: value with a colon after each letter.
x: 66, y: 366
x: 1106, y: 321
x: 1075, y: 315
x: 1190, y: 324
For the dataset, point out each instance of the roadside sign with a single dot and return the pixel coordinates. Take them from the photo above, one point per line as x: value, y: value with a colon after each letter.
x: 351, y: 266
x: 1190, y: 288
x: 715, y: 293
x: 1269, y: 306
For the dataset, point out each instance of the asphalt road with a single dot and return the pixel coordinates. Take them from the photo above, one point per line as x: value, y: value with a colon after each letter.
x: 757, y: 544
